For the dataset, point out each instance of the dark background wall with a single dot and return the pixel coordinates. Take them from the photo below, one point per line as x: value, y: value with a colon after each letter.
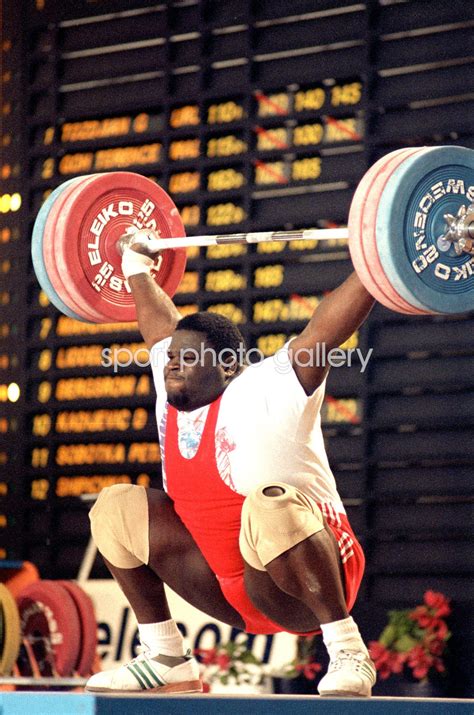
x: 253, y: 115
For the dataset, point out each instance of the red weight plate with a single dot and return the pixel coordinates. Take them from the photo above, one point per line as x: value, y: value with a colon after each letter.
x: 366, y: 263
x: 50, y: 623
x: 362, y: 259
x: 19, y: 579
x: 370, y: 219
x: 88, y: 642
x: 93, y: 218
x: 60, y: 279
x: 357, y: 208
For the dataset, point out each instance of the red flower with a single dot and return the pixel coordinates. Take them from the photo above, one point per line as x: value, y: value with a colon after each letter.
x: 427, y: 630
x: 422, y: 616
x: 223, y: 660
x: 208, y: 655
x: 421, y: 671
x: 419, y: 661
x: 438, y: 665
x: 415, y: 654
x: 397, y: 661
x: 439, y: 629
x: 435, y: 646
x: 438, y: 603
x: 383, y: 659
x: 384, y: 670
x: 310, y: 669
x: 377, y: 650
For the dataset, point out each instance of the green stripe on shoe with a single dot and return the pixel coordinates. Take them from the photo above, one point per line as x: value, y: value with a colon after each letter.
x: 137, y: 676
x: 155, y: 676
x: 141, y: 676
x: 367, y: 670
x: 139, y: 666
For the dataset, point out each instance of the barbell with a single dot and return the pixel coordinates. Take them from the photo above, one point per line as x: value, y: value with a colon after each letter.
x: 410, y: 233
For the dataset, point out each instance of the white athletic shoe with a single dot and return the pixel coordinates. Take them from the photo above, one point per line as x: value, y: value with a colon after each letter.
x: 350, y: 674
x: 164, y: 674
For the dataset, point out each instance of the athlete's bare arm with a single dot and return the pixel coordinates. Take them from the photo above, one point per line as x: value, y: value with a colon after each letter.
x: 335, y: 319
x: 157, y: 315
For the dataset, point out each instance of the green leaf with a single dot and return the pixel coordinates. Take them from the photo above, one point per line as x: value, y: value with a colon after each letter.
x: 399, y: 618
x: 405, y: 643
x: 388, y: 635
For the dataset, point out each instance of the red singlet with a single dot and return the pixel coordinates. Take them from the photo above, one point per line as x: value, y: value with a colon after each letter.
x: 211, y: 511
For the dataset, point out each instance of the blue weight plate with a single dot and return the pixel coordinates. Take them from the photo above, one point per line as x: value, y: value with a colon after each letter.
x: 410, y: 220
x: 37, y: 250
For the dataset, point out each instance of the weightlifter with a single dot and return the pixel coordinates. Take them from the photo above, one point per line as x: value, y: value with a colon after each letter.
x: 250, y: 527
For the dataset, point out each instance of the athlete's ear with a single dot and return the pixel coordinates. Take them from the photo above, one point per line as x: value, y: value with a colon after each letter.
x: 230, y: 369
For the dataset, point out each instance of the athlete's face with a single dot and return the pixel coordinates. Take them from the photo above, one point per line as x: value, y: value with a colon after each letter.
x: 192, y: 377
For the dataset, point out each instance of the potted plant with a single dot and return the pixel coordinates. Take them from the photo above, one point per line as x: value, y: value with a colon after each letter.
x: 413, y: 643
x: 232, y: 667
x: 299, y: 675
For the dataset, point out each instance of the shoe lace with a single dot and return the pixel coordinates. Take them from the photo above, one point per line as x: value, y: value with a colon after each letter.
x: 144, y: 653
x: 347, y: 658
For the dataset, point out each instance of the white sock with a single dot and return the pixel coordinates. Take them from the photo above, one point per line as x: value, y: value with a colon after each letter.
x: 342, y: 635
x: 164, y: 638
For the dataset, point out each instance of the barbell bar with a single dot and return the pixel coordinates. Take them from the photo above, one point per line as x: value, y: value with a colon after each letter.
x: 459, y: 232
x: 155, y: 244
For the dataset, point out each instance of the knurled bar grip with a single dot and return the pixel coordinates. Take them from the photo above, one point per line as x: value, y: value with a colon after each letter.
x: 320, y: 234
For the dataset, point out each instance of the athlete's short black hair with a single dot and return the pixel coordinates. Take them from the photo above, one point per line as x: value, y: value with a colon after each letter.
x: 220, y: 332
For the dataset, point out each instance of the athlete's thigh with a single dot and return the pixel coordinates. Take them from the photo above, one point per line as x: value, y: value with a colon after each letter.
x: 279, y: 606
x: 288, y: 612
x: 177, y: 560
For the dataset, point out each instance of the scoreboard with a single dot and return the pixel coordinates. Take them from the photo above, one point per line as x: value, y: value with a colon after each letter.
x: 252, y: 116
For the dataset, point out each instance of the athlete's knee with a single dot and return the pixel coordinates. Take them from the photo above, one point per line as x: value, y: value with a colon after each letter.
x: 119, y: 525
x: 276, y: 517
